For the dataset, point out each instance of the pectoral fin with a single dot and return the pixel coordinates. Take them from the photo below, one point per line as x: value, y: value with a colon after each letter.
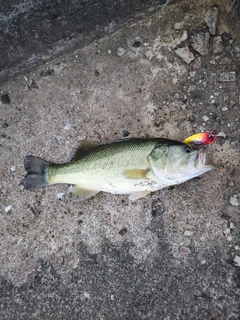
x: 138, y: 194
x: 80, y: 194
x: 135, y: 174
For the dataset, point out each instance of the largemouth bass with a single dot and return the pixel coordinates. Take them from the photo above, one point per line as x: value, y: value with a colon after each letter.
x: 131, y: 166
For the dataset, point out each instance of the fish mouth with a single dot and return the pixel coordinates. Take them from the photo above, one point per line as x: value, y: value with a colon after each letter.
x: 197, y: 159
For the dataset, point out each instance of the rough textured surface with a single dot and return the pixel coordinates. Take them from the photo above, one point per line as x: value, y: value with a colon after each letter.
x: 171, y: 255
x: 32, y: 32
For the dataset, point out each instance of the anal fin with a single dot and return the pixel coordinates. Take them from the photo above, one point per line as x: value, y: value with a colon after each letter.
x: 138, y: 194
x: 135, y: 174
x: 80, y: 194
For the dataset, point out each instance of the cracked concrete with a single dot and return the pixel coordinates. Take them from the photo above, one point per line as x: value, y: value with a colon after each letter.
x: 167, y: 256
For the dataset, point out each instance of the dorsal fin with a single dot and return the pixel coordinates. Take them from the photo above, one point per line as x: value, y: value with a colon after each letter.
x: 82, y: 148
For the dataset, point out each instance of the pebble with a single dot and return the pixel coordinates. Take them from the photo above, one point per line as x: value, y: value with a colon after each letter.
x: 5, y: 99
x: 187, y: 233
x: 178, y: 25
x: 221, y: 134
x: 217, y: 45
x: 5, y: 125
x: 227, y: 232
x: 109, y: 51
x: 145, y: 42
x: 200, y: 42
x: 184, y: 36
x: 191, y: 88
x: 211, y: 19
x: 149, y: 54
x: 60, y: 195
x: 47, y: 72
x: 184, y: 251
x: 231, y: 184
x: 205, y: 118
x: 225, y: 61
x: 227, y: 76
x: 8, y: 208
x: 224, y: 108
x: 13, y: 168
x: 236, y: 261
x: 231, y: 226
x: 234, y: 202
x: 59, y: 138
x: 121, y: 51
x: 67, y: 127
x: 185, y: 54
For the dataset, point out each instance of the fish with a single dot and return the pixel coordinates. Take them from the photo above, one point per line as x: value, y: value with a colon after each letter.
x: 201, y: 138
x: 133, y: 166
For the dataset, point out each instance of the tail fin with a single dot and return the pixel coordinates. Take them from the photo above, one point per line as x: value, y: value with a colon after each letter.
x: 37, y: 172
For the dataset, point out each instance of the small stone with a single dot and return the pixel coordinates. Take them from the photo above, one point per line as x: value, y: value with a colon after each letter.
x: 60, y: 195
x: 187, y: 233
x: 225, y: 61
x: 227, y: 76
x: 231, y: 184
x: 227, y: 232
x: 185, y: 54
x: 234, y: 202
x: 231, y: 226
x: 184, y: 251
x: 211, y: 19
x: 224, y: 108
x: 191, y: 88
x: 121, y: 51
x: 236, y: 261
x: 67, y: 127
x: 5, y: 99
x: 221, y: 134
x: 123, y: 231
x: 59, y: 138
x: 192, y: 74
x: 145, y: 42
x: 217, y: 45
x: 149, y: 54
x: 200, y: 42
x: 5, y: 125
x: 205, y: 118
x: 13, y: 168
x: 236, y: 247
x: 47, y: 72
x: 178, y: 25
x: 184, y: 36
x: 8, y: 208
x: 109, y: 51
x: 32, y: 84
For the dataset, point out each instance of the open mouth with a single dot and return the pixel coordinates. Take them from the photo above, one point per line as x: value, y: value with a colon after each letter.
x: 197, y: 158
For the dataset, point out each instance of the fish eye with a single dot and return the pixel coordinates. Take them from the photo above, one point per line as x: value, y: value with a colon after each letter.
x: 211, y: 136
x: 187, y: 149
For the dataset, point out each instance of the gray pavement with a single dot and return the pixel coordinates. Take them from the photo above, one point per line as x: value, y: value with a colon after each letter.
x: 174, y: 254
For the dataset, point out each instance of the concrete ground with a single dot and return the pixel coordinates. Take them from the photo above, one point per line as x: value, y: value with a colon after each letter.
x: 174, y: 254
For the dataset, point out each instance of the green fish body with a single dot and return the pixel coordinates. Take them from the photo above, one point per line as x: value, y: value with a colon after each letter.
x: 132, y: 166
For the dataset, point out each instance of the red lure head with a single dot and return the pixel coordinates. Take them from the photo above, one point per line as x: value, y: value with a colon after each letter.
x: 201, y: 138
